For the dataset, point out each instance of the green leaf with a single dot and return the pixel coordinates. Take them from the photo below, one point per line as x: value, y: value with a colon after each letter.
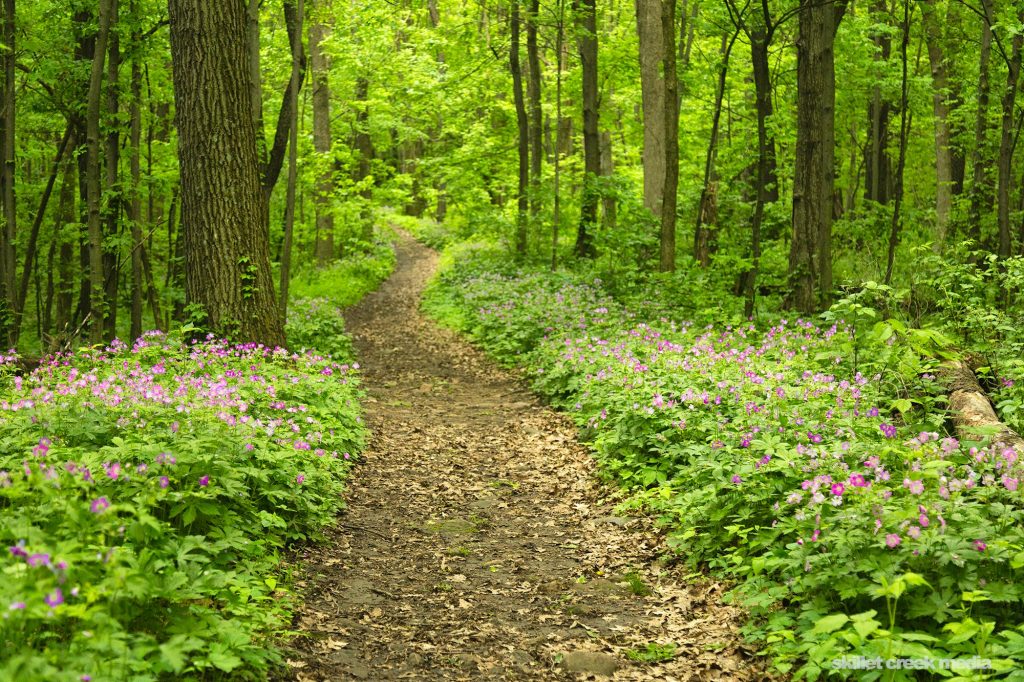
x: 830, y: 623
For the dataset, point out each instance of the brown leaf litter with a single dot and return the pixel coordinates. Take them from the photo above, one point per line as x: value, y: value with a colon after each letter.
x: 477, y: 542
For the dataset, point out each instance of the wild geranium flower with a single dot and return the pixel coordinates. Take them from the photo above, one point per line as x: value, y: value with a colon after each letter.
x: 300, y: 478
x: 872, y: 462
x: 915, y: 486
x: 914, y: 532
x: 18, y: 549
x: 814, y: 437
x: 888, y: 430
x: 164, y: 481
x: 113, y: 470
x: 99, y: 504
x: 892, y: 540
x: 1010, y: 483
x: 204, y: 481
x: 980, y: 546
x: 55, y: 598
x: 736, y: 479
x: 858, y: 481
x: 38, y: 559
x: 17, y: 606
x: 923, y: 520
x: 838, y: 489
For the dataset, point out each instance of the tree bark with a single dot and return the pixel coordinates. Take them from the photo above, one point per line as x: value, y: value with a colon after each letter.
x: 667, y: 260
x: 293, y: 156
x: 586, y: 18
x: 536, y: 114
x: 364, y: 145
x: 227, y: 255
x: 941, y: 110
x: 320, y: 66
x: 97, y: 302
x: 810, y: 254
x: 112, y: 188
x: 135, y: 191
x: 878, y: 167
x: 1006, y: 143
x: 8, y: 290
x: 65, y: 283
x: 905, y: 122
x: 652, y: 99
x: 522, y: 126
x: 282, y: 132
x: 981, y: 191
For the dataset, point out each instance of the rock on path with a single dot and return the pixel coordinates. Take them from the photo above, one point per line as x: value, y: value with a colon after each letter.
x: 476, y: 544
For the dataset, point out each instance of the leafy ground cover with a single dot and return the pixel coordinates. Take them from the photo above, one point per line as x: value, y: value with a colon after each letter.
x: 148, y: 492
x: 788, y: 457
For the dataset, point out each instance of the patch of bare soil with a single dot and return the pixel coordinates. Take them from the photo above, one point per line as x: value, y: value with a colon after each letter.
x: 477, y: 543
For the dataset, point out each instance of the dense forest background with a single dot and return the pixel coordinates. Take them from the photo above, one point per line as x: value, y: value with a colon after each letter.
x: 770, y: 152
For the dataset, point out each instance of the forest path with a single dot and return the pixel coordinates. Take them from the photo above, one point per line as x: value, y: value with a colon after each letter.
x: 471, y: 523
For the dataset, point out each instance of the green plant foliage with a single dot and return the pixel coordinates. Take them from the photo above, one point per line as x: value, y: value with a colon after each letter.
x: 806, y: 462
x: 146, y: 496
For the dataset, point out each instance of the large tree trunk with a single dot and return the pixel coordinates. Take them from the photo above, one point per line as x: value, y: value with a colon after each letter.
x: 981, y: 190
x: 667, y: 260
x: 1006, y: 143
x: 320, y: 66
x: 8, y: 292
x: 112, y: 188
x: 878, y: 167
x: 556, y: 217
x: 586, y: 17
x: 522, y: 126
x: 293, y: 157
x: 227, y: 256
x: 135, y: 191
x: 941, y: 110
x: 810, y: 254
x: 536, y: 114
x: 97, y: 303
x: 652, y: 98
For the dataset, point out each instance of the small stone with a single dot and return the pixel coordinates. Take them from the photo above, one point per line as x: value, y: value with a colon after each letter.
x: 590, y: 662
x: 613, y: 520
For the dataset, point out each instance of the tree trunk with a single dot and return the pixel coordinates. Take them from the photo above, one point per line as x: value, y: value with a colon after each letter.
x: 878, y: 167
x: 112, y: 188
x: 586, y: 18
x: 522, y: 127
x: 707, y: 206
x: 282, y: 132
x: 667, y: 261
x: 364, y: 145
x: 320, y: 66
x: 1006, y: 143
x: 65, y: 284
x: 33, y: 237
x: 652, y: 98
x: 227, y: 256
x: 293, y: 157
x: 810, y: 254
x: 97, y: 303
x: 556, y: 217
x: 536, y: 113
x: 981, y: 191
x: 905, y: 122
x: 941, y: 109
x: 135, y: 192
x: 8, y: 290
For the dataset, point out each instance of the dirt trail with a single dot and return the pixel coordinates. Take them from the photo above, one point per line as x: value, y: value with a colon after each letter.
x: 476, y: 544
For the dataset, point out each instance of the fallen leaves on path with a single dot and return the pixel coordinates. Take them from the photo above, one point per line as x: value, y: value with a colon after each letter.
x: 478, y: 544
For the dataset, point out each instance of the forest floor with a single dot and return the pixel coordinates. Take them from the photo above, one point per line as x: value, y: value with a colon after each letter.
x: 477, y: 542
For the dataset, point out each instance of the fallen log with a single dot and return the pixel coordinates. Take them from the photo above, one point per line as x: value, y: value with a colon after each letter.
x: 971, y: 408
